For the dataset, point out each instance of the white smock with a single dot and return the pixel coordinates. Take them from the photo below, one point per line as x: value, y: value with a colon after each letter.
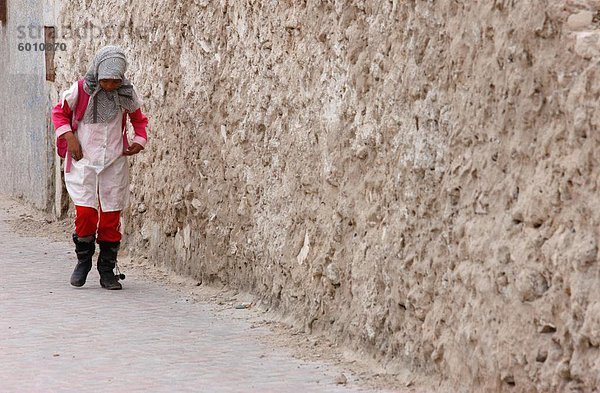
x: 102, y: 175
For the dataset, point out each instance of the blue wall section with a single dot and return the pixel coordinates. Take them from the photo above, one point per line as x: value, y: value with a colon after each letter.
x: 26, y: 155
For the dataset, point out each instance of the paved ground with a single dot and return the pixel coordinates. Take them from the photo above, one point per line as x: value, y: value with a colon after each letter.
x: 145, y: 338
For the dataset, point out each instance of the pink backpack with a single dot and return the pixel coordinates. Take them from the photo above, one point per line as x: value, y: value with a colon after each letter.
x: 78, y: 112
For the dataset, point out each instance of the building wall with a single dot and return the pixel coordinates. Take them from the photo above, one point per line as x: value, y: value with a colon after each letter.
x: 26, y: 153
x: 417, y: 179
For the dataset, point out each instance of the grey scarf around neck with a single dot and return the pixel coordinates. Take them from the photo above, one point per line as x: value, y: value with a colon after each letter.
x: 104, y: 106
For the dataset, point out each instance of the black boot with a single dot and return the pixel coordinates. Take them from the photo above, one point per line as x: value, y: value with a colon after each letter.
x: 84, y: 248
x: 106, y: 264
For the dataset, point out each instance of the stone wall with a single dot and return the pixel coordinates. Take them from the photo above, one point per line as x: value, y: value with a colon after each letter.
x: 417, y: 179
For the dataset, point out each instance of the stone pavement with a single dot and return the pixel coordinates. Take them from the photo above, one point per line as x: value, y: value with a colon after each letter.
x: 145, y: 338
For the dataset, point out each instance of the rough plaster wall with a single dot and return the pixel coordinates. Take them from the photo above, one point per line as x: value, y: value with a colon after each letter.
x: 26, y: 155
x: 417, y: 178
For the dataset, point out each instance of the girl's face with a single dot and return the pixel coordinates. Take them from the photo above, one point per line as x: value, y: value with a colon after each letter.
x: 110, y: 84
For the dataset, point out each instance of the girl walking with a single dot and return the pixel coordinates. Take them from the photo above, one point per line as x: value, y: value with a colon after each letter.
x: 91, y: 118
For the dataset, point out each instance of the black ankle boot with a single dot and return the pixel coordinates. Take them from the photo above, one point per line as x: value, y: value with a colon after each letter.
x: 106, y: 264
x: 84, y: 248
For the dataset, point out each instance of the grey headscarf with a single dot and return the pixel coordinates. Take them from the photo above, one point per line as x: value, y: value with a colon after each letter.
x: 109, y: 63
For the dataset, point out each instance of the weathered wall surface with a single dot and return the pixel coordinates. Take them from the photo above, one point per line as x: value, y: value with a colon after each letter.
x: 26, y: 152
x: 418, y: 178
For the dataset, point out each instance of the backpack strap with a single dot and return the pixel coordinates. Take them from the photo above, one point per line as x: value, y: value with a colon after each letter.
x: 83, y: 99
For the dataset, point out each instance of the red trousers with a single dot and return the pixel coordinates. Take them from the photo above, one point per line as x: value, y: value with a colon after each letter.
x: 106, y: 224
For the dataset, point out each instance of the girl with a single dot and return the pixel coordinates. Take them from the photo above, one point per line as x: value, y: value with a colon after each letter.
x: 96, y: 167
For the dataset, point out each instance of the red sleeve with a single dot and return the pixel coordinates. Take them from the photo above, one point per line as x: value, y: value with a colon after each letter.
x: 61, y: 117
x: 139, y: 121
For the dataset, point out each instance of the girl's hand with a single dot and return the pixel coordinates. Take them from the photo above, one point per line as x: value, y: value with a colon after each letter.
x: 73, y: 146
x: 135, y: 148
